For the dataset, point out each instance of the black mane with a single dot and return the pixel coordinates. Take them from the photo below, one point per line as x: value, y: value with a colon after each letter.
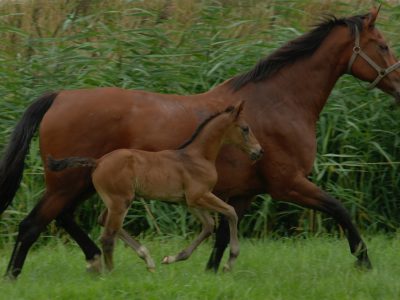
x: 202, y: 125
x: 300, y: 47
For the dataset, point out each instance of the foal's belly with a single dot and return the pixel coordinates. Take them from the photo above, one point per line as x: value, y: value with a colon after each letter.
x: 159, y: 186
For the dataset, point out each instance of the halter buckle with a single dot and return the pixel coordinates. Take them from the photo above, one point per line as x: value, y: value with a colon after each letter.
x: 357, y: 49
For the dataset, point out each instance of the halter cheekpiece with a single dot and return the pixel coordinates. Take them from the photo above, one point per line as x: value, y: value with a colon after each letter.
x: 381, y: 71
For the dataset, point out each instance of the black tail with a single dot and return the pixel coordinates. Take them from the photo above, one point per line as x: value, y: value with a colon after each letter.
x: 69, y: 162
x: 12, y: 164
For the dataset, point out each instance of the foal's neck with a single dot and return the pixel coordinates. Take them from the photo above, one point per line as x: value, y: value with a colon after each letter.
x: 209, y: 141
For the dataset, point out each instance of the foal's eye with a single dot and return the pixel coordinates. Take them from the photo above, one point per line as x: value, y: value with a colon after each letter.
x: 245, y: 129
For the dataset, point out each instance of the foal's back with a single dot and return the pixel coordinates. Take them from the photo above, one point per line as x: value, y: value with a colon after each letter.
x: 127, y: 173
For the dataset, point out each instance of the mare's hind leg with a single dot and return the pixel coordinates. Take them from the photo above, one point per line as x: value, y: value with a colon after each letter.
x: 30, y: 228
x: 89, y: 248
x: 141, y: 250
x: 240, y: 204
x: 307, y: 194
x: 207, y: 229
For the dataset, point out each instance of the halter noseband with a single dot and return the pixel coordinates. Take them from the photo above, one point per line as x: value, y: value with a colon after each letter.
x: 381, y: 72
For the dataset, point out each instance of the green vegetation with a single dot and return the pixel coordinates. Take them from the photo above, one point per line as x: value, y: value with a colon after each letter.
x: 281, y: 269
x: 188, y: 46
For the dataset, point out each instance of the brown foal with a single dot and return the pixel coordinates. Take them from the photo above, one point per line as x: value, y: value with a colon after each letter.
x: 187, y: 174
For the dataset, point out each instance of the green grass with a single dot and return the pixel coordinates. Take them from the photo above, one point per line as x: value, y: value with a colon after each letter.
x: 187, y: 47
x: 314, y: 268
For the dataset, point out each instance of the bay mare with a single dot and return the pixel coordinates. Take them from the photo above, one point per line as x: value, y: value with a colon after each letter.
x: 285, y: 93
x: 187, y: 175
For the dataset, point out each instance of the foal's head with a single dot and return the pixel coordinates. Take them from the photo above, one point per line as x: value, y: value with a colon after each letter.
x: 240, y: 134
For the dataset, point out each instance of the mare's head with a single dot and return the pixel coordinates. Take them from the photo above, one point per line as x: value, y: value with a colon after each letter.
x: 240, y: 134
x: 371, y: 59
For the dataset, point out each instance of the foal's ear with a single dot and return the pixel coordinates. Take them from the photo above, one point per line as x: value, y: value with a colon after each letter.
x: 371, y: 17
x: 238, y: 109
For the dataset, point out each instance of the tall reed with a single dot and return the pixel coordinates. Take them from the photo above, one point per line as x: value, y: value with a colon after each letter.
x: 185, y: 47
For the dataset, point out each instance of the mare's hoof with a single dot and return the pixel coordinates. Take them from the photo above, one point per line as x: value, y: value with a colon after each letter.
x: 10, y: 277
x: 363, y: 265
x: 94, y: 265
x: 151, y: 270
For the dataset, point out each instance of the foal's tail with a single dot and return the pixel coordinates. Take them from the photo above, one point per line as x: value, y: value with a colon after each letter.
x: 70, y: 162
x: 12, y: 163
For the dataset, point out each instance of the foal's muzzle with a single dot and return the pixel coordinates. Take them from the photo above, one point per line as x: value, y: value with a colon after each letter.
x: 256, y: 154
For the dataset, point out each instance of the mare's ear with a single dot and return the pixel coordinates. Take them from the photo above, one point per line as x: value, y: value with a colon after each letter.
x: 371, y: 17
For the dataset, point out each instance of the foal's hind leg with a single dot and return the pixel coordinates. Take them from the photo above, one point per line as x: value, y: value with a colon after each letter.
x: 207, y: 229
x: 141, y: 250
x: 213, y: 203
x: 113, y: 223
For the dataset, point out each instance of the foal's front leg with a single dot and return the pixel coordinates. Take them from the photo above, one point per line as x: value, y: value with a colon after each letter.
x: 208, y: 226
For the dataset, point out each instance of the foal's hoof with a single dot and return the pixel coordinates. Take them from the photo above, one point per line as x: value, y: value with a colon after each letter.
x: 151, y: 270
x: 227, y: 268
x: 363, y: 265
x: 168, y: 260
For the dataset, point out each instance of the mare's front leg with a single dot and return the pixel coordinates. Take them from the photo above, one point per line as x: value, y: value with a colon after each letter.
x: 207, y: 229
x: 213, y: 203
x: 240, y: 204
x: 141, y: 250
x: 307, y: 194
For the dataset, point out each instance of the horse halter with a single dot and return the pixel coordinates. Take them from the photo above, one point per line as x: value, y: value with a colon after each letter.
x: 381, y: 72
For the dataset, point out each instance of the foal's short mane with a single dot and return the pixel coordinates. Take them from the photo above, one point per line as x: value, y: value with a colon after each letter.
x: 300, y: 47
x: 202, y: 125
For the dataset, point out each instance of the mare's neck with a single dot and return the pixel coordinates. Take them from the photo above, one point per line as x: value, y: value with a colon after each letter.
x: 209, y: 141
x: 306, y: 84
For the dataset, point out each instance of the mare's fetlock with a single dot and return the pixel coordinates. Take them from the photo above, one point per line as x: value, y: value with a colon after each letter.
x: 94, y: 265
x: 363, y: 263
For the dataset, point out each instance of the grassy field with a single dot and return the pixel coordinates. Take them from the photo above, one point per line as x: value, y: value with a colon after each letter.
x: 314, y: 268
x: 186, y: 47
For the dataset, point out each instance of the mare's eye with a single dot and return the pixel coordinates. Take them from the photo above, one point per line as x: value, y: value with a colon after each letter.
x: 245, y: 129
x: 383, y: 47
